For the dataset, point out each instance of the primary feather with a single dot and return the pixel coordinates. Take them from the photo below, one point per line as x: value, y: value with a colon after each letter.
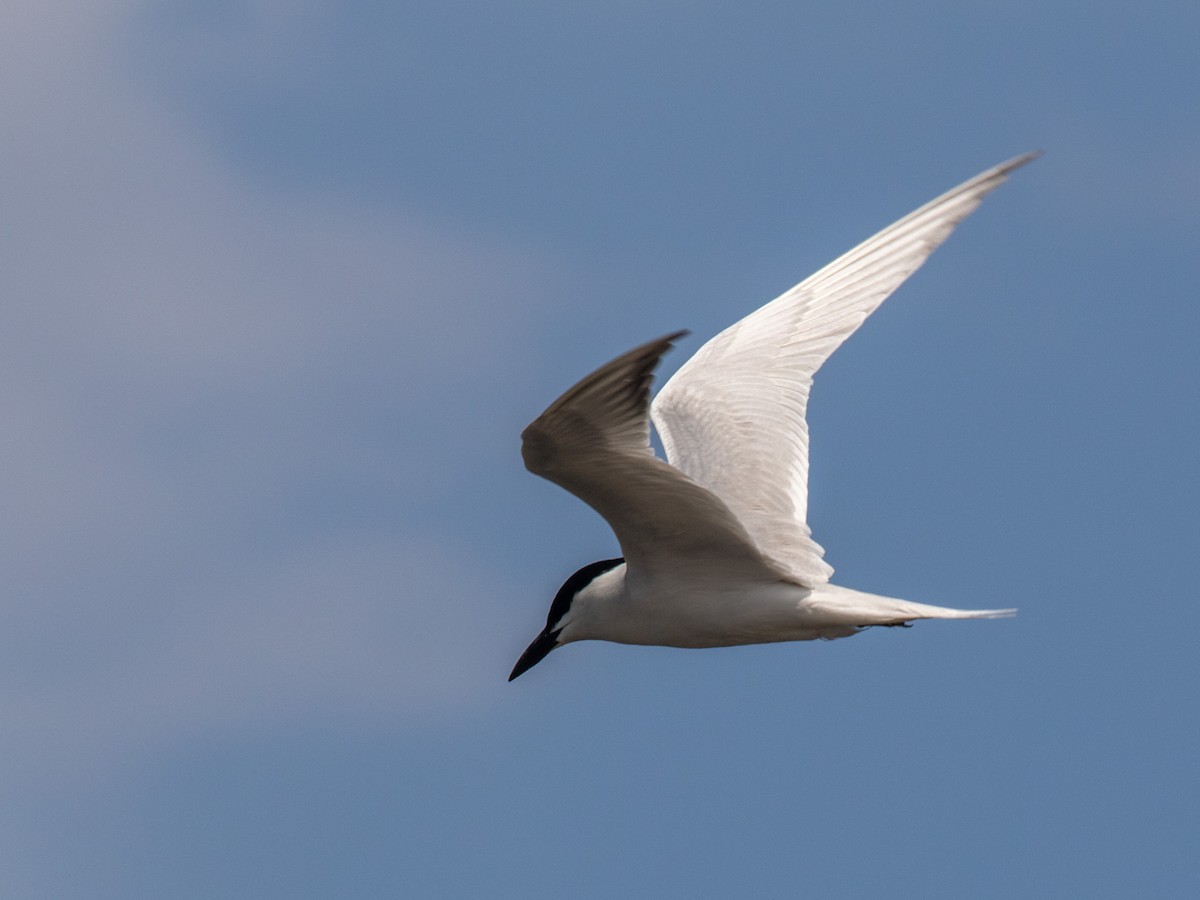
x: 733, y: 417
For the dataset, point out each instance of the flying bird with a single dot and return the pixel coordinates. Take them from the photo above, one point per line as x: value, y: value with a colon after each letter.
x: 715, y: 542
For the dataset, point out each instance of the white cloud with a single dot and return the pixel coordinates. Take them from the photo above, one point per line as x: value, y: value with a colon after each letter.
x: 175, y: 345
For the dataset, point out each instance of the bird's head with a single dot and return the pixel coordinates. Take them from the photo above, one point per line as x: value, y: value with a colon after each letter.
x: 568, y: 603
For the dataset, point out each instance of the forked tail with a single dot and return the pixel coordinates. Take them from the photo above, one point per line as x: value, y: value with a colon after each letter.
x: 845, y: 606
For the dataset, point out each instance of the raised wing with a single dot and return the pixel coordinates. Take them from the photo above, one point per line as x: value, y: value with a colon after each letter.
x: 594, y: 441
x: 733, y: 417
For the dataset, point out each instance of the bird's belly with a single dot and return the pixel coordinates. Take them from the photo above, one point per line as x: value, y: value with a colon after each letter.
x: 708, y: 615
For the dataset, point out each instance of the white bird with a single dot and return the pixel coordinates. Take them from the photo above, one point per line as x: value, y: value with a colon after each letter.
x: 717, y: 551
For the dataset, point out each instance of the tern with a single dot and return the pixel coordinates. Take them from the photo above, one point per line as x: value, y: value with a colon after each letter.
x: 716, y: 549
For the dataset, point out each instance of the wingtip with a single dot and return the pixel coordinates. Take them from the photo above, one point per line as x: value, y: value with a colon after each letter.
x: 675, y: 336
x: 981, y: 185
x: 1017, y: 161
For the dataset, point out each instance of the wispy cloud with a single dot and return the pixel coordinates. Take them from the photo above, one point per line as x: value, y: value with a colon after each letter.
x: 185, y: 358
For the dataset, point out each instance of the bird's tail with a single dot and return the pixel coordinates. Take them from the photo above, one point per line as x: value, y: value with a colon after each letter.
x: 845, y: 606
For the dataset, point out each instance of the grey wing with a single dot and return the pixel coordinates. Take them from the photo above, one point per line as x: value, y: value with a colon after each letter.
x: 594, y: 441
x: 733, y: 417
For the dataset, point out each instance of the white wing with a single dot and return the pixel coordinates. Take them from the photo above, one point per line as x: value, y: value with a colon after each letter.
x: 733, y: 417
x: 595, y: 442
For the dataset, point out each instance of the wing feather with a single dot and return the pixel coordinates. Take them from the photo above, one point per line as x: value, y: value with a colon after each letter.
x: 733, y: 417
x: 594, y: 441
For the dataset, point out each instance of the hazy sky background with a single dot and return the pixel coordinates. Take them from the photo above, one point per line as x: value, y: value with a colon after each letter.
x: 281, y: 284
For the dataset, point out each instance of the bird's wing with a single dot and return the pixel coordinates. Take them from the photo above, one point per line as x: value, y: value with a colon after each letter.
x: 594, y: 441
x: 733, y: 417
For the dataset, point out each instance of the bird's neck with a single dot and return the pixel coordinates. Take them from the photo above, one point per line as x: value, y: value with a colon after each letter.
x: 597, y: 607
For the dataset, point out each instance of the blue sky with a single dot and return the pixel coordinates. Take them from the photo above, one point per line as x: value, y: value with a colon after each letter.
x: 284, y: 281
